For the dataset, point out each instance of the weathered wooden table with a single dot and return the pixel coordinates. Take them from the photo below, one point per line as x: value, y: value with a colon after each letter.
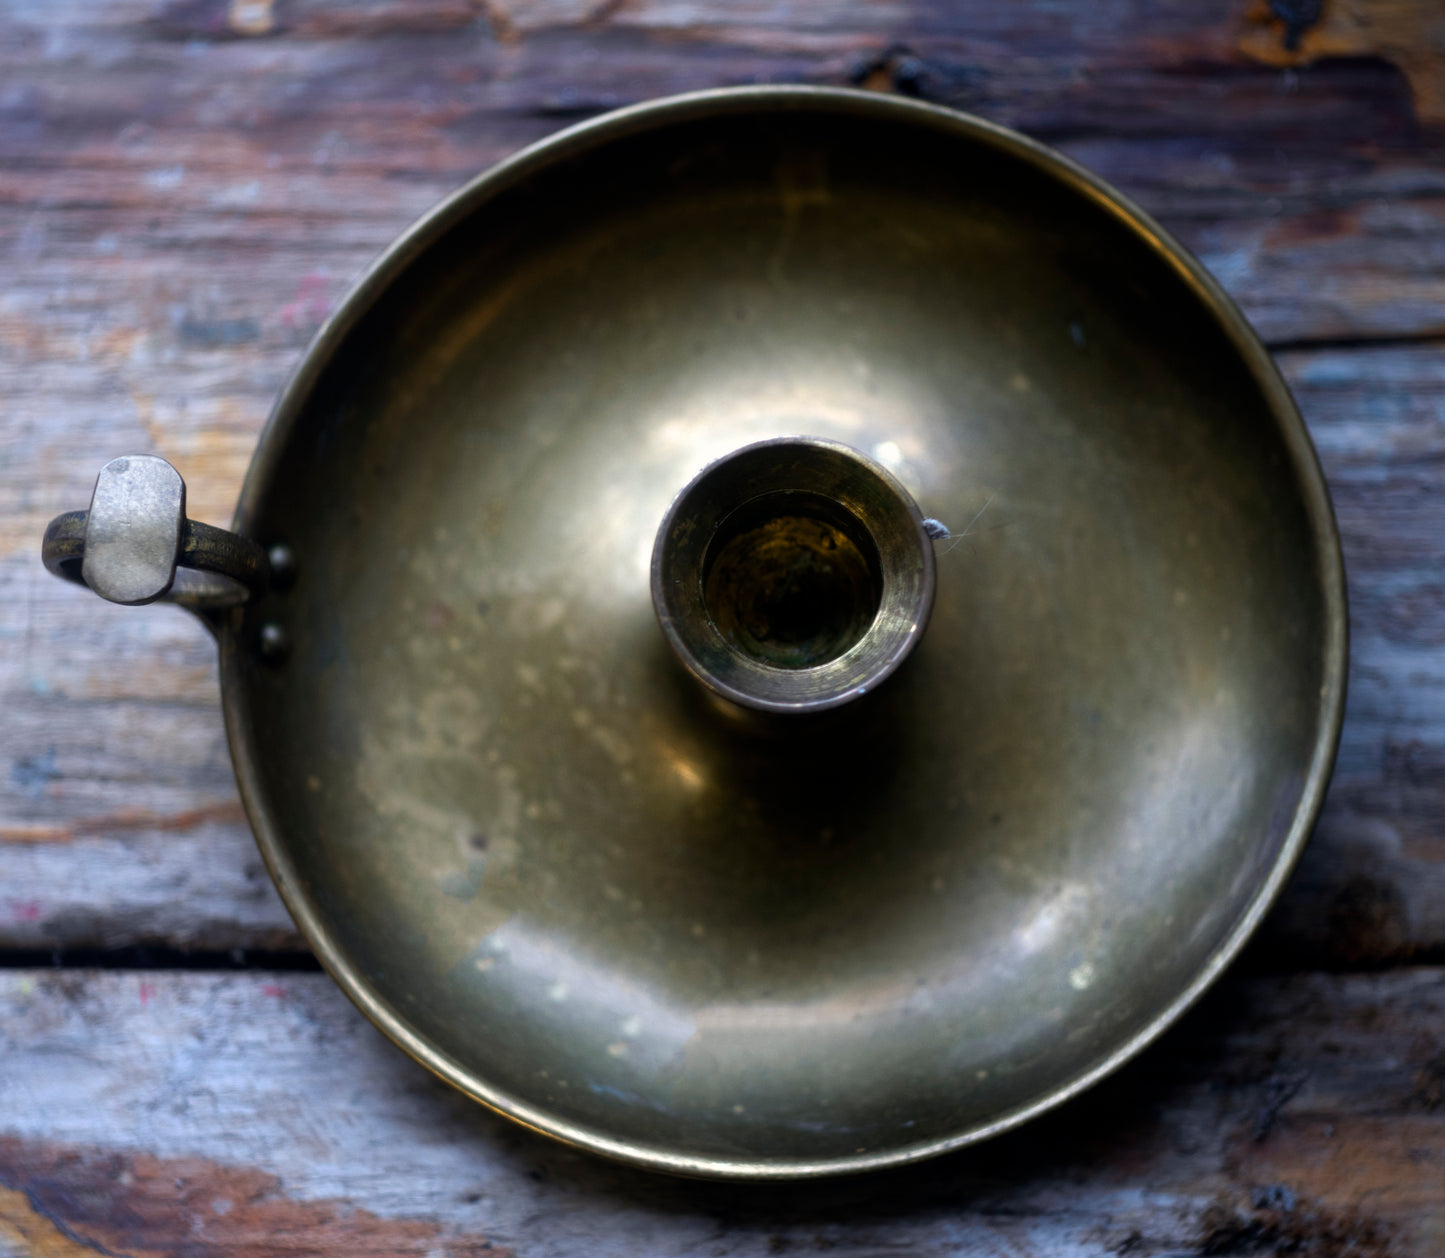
x: 185, y: 189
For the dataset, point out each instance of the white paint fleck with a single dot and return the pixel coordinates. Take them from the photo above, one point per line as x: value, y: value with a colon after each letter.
x: 1081, y: 976
x: 632, y: 1027
x: 251, y: 17
x: 557, y: 992
x: 236, y: 195
x: 166, y: 177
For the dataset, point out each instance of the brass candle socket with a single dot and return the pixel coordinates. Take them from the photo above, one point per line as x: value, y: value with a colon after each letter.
x: 793, y: 575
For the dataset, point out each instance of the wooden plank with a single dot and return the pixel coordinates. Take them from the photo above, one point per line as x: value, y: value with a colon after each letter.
x: 272, y: 136
x: 1371, y: 886
x: 249, y: 1115
x: 187, y: 187
x: 118, y: 819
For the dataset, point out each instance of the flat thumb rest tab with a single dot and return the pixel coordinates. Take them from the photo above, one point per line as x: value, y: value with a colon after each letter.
x: 129, y: 544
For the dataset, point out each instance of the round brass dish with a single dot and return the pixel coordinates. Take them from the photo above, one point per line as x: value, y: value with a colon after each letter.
x: 515, y: 830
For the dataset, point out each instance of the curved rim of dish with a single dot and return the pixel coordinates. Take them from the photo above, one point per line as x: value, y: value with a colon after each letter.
x: 841, y: 102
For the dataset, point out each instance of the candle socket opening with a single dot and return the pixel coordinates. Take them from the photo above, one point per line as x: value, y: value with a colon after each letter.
x: 792, y: 579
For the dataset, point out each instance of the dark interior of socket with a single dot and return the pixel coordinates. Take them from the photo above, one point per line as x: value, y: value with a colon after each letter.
x: 792, y: 579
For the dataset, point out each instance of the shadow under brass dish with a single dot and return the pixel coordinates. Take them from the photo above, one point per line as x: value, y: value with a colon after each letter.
x: 515, y: 830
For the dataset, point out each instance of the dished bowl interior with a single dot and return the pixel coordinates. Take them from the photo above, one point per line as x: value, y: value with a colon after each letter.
x: 529, y: 846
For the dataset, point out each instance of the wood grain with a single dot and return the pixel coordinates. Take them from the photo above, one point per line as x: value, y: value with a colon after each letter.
x: 118, y: 820
x: 1408, y: 33
x: 187, y: 187
x: 252, y: 145
x: 249, y: 1115
x: 1371, y: 886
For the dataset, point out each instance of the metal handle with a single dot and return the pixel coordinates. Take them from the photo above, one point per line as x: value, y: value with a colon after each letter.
x: 128, y: 546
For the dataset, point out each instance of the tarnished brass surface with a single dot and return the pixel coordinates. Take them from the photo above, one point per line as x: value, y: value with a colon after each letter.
x: 519, y: 835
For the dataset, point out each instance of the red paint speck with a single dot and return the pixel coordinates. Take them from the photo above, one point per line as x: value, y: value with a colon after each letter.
x: 25, y: 910
x: 147, y: 990
x: 311, y: 304
x: 273, y: 989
